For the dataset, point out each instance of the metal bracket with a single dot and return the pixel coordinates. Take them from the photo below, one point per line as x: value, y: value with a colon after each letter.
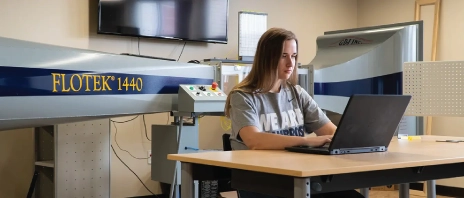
x: 326, y: 178
x: 301, y: 187
x: 184, y: 114
x: 418, y: 169
x: 217, y: 68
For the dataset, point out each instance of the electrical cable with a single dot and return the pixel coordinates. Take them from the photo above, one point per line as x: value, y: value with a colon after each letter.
x: 181, y: 52
x: 145, y: 125
x: 132, y: 171
x: 126, y: 120
x: 194, y: 61
x: 115, y: 140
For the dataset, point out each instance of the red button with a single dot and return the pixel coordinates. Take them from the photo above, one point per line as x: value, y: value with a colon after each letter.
x: 214, y: 86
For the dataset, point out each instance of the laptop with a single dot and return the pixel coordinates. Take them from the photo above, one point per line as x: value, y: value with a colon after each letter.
x: 367, y: 125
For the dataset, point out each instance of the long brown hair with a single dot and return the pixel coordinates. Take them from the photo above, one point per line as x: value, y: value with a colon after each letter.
x: 264, y: 71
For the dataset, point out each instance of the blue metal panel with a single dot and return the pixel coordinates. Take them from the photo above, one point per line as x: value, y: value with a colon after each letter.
x: 386, y: 84
x: 23, y: 81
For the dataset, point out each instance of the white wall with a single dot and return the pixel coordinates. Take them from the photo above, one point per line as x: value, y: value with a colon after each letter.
x: 73, y: 23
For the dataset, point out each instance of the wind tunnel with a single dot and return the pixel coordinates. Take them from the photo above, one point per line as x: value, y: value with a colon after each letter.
x: 365, y: 61
x: 44, y: 85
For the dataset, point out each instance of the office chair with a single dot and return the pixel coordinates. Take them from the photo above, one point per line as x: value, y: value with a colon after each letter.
x: 224, y: 184
x: 226, y: 146
x: 226, y: 142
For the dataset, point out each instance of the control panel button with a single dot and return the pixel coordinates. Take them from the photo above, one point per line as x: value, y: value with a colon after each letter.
x: 202, y: 88
x: 214, y: 86
x: 191, y: 88
x: 208, y: 93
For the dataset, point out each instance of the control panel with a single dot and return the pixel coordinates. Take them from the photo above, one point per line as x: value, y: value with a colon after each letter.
x: 201, y: 98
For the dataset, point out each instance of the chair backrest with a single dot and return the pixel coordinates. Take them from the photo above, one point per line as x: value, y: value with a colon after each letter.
x: 226, y: 142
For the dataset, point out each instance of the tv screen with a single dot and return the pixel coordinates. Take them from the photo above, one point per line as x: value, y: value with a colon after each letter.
x: 189, y: 20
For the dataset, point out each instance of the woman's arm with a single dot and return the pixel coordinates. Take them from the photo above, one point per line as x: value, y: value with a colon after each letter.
x: 256, y: 140
x: 315, y: 119
x: 327, y: 129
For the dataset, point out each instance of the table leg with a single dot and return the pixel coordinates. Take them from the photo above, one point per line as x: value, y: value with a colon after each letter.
x: 404, y: 190
x: 302, y: 188
x: 431, y: 190
x: 186, y: 180
x: 196, y: 184
x: 365, y: 192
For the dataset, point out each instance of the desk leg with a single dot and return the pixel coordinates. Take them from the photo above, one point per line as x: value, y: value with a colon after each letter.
x: 186, y: 181
x: 365, y: 192
x: 431, y: 190
x: 302, y: 188
x: 404, y: 190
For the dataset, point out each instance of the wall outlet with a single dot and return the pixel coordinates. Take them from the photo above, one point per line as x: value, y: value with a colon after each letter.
x: 149, y: 156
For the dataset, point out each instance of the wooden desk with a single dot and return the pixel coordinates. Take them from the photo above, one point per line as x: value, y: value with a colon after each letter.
x: 288, y: 174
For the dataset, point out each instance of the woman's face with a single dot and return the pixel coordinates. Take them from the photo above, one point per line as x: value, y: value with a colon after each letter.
x: 287, y: 60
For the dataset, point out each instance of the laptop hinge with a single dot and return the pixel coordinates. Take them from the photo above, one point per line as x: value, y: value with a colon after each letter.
x: 358, y: 150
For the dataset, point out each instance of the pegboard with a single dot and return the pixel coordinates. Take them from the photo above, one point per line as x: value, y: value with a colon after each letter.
x: 82, y: 159
x: 437, y: 88
x: 251, y: 26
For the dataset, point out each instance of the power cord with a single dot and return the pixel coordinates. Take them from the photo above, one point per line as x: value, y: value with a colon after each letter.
x: 114, y: 151
x: 194, y: 61
x: 126, y: 120
x: 145, y: 125
x: 181, y: 52
x: 115, y: 140
x: 132, y: 171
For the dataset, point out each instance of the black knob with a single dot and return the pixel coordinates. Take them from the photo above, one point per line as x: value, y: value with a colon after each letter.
x: 316, y: 186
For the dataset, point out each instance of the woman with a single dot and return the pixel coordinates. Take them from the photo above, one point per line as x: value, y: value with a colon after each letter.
x: 269, y: 110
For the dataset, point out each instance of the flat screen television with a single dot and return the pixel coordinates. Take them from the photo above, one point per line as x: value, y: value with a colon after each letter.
x: 188, y: 20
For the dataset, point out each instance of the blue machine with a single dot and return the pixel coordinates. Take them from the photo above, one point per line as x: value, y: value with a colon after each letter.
x: 365, y: 61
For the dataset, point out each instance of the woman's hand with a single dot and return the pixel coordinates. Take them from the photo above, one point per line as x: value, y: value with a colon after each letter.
x: 318, y: 140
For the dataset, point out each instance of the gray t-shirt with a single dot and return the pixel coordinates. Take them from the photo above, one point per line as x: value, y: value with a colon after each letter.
x: 291, y: 112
